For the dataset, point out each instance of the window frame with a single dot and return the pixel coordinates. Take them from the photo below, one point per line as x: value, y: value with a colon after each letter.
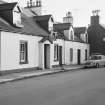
x: 56, y: 52
x: 86, y: 38
x: 71, y: 35
x: 23, y: 52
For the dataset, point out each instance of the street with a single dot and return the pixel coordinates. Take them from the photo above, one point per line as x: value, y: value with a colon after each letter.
x: 82, y: 87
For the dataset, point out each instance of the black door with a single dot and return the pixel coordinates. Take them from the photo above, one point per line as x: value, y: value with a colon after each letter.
x: 79, y: 57
x: 46, y: 56
x: 60, y: 55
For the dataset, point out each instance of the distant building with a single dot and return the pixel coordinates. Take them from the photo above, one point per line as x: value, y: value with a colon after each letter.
x: 96, y: 34
x: 68, y: 18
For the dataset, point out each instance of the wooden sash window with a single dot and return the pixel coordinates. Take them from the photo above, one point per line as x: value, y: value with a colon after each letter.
x: 23, y: 52
x: 56, y: 54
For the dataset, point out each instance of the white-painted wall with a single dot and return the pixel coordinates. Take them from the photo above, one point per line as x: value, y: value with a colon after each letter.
x: 10, y: 55
x: 60, y: 43
x: 10, y: 51
x: 69, y: 33
x: 50, y: 24
x: 16, y: 18
x: 16, y: 15
x: 75, y: 46
x: 83, y: 37
x: 41, y: 54
x: 66, y: 45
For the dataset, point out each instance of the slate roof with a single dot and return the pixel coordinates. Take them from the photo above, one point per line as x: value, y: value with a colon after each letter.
x: 43, y: 21
x: 42, y: 18
x: 7, y: 6
x: 29, y: 12
x: 79, y: 30
x: 62, y: 26
x: 77, y: 39
x: 46, y: 38
x: 30, y: 27
x: 62, y: 36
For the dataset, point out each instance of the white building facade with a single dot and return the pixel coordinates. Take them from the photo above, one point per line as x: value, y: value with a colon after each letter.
x: 34, y: 43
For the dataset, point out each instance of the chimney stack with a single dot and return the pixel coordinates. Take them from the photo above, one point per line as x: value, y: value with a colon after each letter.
x: 95, y: 17
x: 35, y: 6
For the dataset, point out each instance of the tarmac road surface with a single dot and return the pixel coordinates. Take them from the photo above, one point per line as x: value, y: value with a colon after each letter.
x: 83, y: 87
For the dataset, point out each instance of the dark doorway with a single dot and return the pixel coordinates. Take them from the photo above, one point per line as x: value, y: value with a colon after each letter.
x: 46, y: 56
x: 60, y: 55
x: 78, y: 56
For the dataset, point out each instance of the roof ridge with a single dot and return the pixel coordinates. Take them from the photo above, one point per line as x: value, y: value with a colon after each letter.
x: 8, y: 3
x: 79, y: 27
x: 43, y: 15
x: 7, y: 6
x: 102, y: 25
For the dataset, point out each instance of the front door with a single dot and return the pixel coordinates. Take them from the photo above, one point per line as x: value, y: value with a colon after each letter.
x: 46, y: 56
x: 60, y: 55
x: 78, y: 56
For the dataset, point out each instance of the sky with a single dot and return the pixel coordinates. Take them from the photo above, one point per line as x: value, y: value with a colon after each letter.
x: 81, y: 9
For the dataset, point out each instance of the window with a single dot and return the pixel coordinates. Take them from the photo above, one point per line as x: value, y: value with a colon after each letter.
x: 71, y: 35
x: 50, y: 28
x: 86, y: 38
x: 23, y: 52
x: 50, y: 25
x: 16, y: 17
x: 95, y: 57
x: 71, y: 54
x: 54, y: 34
x: 85, y: 54
x: 55, y: 52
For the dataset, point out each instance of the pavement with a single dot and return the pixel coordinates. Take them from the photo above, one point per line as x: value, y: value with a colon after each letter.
x: 24, y: 75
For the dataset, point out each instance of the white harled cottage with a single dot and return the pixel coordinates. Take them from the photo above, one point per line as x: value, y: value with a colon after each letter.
x: 72, y: 40
x: 29, y: 40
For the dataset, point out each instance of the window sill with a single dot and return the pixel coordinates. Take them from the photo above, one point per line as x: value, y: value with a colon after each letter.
x: 23, y: 62
x: 56, y: 60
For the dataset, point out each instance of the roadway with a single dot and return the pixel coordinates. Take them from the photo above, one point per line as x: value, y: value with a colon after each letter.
x: 82, y: 87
